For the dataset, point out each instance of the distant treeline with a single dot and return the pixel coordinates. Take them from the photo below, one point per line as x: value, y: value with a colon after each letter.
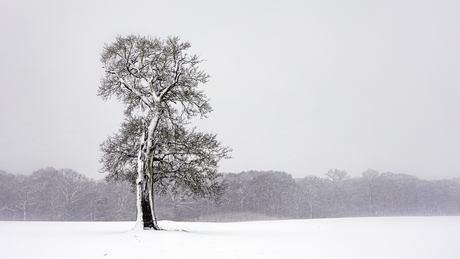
x: 276, y: 195
x: 65, y: 195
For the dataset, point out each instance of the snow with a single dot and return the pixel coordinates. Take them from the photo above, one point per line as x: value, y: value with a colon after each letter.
x: 398, y: 237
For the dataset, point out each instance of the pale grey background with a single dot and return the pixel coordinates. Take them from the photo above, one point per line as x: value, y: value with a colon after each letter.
x: 298, y: 86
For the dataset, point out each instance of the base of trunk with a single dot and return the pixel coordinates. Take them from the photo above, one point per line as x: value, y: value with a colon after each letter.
x: 148, y: 216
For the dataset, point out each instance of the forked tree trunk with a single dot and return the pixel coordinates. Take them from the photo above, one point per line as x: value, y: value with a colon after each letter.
x: 145, y: 212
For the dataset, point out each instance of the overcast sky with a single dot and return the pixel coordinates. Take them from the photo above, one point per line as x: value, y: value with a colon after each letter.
x: 296, y: 86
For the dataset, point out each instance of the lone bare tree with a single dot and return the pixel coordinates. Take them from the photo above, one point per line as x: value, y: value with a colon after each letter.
x: 158, y: 83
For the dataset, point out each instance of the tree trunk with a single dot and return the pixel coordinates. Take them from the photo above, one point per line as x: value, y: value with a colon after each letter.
x: 151, y: 200
x: 145, y: 213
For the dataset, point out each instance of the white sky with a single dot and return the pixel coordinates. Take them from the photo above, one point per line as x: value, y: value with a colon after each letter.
x: 297, y: 86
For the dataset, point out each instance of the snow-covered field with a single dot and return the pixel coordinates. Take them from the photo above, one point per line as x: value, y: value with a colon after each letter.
x: 399, y: 237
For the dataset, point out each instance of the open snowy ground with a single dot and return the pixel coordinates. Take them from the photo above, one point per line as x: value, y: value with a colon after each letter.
x: 399, y: 237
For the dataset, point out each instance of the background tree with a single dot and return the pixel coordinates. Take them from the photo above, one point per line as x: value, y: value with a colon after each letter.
x: 237, y: 193
x: 47, y: 181
x: 7, y: 196
x: 158, y: 83
x: 310, y: 188
x: 369, y: 180
x: 454, y: 188
x: 338, y: 179
x: 272, y: 193
x: 26, y: 191
x: 73, y: 190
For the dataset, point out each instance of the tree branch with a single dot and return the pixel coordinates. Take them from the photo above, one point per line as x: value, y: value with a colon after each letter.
x: 142, y: 97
